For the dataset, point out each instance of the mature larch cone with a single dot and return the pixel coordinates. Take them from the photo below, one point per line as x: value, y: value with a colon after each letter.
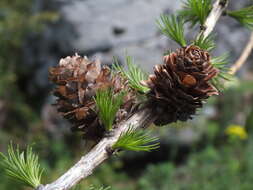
x: 180, y: 85
x: 78, y: 80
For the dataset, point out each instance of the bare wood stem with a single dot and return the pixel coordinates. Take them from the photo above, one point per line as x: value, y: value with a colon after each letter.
x: 86, y: 165
x: 218, y: 8
x: 244, y: 56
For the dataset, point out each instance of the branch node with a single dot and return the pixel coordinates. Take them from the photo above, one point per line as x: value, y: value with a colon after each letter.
x: 109, y: 134
x: 223, y: 3
x: 202, y: 27
x: 109, y: 150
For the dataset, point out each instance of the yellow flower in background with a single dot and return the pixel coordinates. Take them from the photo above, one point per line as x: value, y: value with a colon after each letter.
x: 237, y: 130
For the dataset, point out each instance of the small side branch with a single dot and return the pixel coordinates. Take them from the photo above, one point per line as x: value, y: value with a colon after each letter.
x: 218, y: 8
x: 244, y: 56
x: 85, y: 166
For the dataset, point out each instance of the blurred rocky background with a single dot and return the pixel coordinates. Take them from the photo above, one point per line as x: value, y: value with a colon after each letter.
x: 35, y: 34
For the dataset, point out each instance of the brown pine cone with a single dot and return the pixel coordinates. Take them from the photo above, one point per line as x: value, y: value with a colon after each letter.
x: 77, y: 81
x: 180, y: 85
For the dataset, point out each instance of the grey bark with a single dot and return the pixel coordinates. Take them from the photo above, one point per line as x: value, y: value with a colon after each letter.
x: 217, y: 10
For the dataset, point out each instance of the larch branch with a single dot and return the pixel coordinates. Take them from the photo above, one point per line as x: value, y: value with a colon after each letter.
x: 244, y: 56
x: 218, y: 8
x: 86, y: 165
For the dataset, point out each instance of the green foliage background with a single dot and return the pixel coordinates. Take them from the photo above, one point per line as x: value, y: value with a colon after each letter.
x: 213, y: 161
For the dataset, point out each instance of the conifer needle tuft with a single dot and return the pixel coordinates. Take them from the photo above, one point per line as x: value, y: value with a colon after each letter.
x: 173, y: 27
x: 206, y: 43
x: 244, y: 16
x: 108, y: 104
x: 195, y: 11
x: 22, y: 166
x: 136, y: 140
x: 221, y: 63
x: 134, y: 74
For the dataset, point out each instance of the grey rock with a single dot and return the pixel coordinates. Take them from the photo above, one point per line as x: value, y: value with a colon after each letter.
x: 108, y: 28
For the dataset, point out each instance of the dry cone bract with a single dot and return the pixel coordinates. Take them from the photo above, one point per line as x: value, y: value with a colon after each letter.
x: 181, y: 84
x: 78, y: 80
